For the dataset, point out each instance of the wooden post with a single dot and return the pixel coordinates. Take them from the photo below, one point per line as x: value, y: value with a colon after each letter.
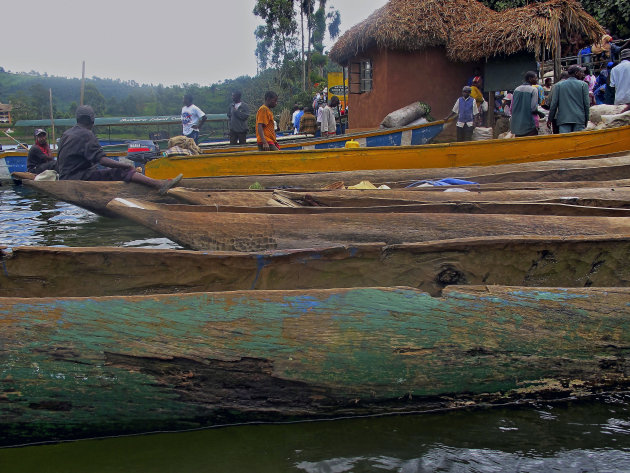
x: 490, y: 122
x: 82, y: 82
x: 52, y: 118
x: 556, y: 56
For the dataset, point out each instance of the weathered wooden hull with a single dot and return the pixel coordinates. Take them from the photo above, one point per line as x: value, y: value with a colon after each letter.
x: 555, y: 170
x: 431, y: 266
x: 200, y: 228
x: 499, y: 200
x: 86, y: 367
x: 94, y: 196
x: 409, y: 135
x: 474, y: 153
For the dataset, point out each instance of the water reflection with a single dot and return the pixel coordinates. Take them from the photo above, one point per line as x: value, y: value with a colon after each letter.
x: 577, y: 438
x: 28, y: 218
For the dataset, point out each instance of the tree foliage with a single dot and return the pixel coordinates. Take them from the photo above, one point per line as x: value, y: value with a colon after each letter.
x: 292, y: 41
x: 291, y: 60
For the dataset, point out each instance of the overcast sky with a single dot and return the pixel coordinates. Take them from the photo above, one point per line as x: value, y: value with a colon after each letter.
x: 150, y: 42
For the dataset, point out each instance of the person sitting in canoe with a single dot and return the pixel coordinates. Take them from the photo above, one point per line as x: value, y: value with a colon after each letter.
x: 39, y: 156
x: 80, y: 154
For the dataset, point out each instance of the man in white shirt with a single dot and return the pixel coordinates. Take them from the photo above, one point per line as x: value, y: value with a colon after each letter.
x: 192, y: 118
x: 328, y: 122
x: 620, y: 79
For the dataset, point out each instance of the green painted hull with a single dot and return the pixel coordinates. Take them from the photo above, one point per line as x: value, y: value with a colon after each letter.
x: 82, y: 367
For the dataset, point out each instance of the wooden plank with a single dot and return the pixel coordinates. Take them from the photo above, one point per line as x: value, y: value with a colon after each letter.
x: 86, y: 367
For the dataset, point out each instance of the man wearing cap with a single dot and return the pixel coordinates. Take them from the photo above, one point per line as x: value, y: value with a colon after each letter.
x: 80, y: 155
x: 39, y: 156
x: 465, y: 109
x: 570, y: 102
x: 620, y: 78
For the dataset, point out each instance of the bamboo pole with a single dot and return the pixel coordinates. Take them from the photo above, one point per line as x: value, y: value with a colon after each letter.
x: 52, y: 119
x: 82, y: 82
x: 556, y: 55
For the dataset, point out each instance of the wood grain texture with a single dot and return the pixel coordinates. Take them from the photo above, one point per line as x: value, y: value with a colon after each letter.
x: 431, y: 266
x: 97, y: 366
x: 201, y: 229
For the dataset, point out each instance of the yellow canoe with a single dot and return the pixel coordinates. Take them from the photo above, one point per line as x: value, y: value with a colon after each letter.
x: 474, y: 153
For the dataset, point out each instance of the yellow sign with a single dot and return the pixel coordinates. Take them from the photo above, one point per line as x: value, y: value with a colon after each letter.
x: 336, y: 86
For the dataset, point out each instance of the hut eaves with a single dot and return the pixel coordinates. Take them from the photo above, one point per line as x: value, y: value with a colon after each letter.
x: 467, y: 29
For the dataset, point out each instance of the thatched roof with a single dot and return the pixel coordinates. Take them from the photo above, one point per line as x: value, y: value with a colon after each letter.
x: 467, y: 29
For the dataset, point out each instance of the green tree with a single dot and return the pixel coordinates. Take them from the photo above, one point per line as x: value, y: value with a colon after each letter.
x: 92, y: 97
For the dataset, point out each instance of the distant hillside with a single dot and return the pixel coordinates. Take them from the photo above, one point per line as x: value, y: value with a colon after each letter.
x: 29, y: 95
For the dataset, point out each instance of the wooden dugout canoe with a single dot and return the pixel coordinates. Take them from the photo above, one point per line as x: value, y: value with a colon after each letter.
x: 88, y: 367
x: 474, y: 153
x: 200, y: 229
x: 94, y: 196
x: 505, y: 208
x: 595, y: 196
x: 429, y: 266
x: 618, y: 197
x: 584, y: 169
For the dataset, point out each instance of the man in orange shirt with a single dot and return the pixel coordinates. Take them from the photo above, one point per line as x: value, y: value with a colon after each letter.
x: 265, y: 129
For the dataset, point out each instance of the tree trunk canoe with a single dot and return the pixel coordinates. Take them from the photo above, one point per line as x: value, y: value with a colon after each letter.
x: 602, y: 168
x: 618, y: 197
x: 429, y: 266
x: 506, y: 208
x: 85, y: 367
x: 472, y: 153
x: 95, y: 195
x: 200, y: 229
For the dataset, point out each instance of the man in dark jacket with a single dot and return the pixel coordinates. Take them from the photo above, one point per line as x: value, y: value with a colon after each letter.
x: 570, y: 102
x: 80, y: 155
x: 238, y: 113
x: 39, y: 156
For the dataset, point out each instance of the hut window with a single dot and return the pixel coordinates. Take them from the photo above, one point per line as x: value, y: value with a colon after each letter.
x: 366, y: 76
x: 360, y: 77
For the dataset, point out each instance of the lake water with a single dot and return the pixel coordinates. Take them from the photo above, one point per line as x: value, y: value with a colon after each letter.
x: 571, y: 436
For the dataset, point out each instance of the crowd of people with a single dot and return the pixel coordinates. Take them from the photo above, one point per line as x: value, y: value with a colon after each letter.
x: 565, y: 104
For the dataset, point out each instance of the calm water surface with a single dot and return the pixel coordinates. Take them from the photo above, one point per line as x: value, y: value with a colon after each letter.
x: 584, y: 436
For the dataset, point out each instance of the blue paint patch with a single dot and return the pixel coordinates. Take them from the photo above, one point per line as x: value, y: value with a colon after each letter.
x: 391, y: 139
x: 302, y: 303
x: 331, y: 145
x: 15, y: 163
x: 261, y: 262
x: 422, y: 136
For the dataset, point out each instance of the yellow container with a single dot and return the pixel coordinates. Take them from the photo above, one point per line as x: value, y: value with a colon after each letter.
x: 352, y: 144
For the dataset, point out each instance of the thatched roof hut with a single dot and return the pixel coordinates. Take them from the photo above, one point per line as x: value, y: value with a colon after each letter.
x: 468, y: 30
